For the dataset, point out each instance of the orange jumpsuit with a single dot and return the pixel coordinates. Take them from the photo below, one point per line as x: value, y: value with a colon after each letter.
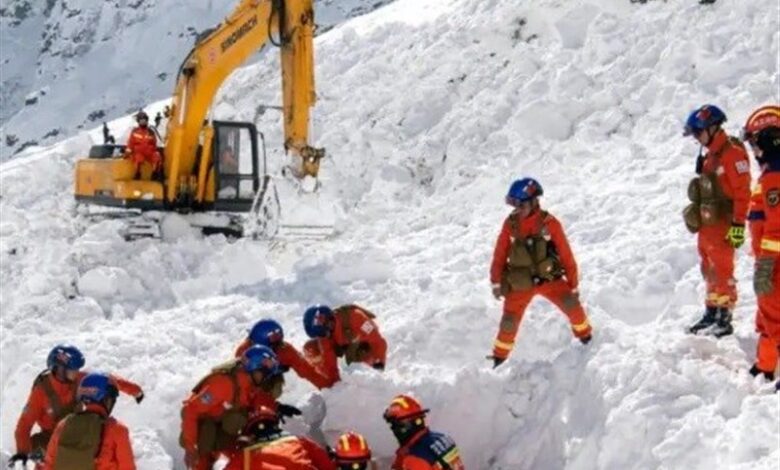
x: 283, y: 453
x: 212, y: 400
x: 115, y: 452
x: 363, y: 330
x: 290, y: 357
x: 142, y: 147
x: 426, y: 451
x: 766, y: 243
x: 561, y: 292
x: 40, y: 411
x: 321, y: 355
x: 730, y: 163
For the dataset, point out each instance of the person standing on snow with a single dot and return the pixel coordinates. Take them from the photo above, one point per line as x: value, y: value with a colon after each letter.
x: 269, y: 333
x: 532, y: 257
x: 352, y: 453
x: 762, y: 132
x: 348, y: 331
x: 90, y: 438
x: 420, y: 448
x: 719, y: 196
x: 220, y: 404
x: 142, y: 146
x: 54, y: 396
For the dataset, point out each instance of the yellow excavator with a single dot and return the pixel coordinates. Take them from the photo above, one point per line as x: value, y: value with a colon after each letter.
x: 194, y: 180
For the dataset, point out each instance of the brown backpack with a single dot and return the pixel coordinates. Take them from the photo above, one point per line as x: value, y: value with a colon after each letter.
x: 80, y: 441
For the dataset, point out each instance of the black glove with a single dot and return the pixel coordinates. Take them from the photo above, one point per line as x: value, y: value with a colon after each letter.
x: 379, y: 366
x: 139, y: 398
x: 287, y: 411
x: 16, y: 458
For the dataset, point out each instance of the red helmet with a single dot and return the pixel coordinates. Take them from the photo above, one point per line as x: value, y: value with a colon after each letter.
x: 352, y: 447
x: 404, y: 407
x: 261, y: 420
x: 762, y: 118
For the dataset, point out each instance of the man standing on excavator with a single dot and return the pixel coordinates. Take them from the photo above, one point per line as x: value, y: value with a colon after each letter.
x: 142, y: 146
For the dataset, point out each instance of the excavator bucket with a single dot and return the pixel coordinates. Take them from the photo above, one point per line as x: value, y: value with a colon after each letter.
x: 283, y: 210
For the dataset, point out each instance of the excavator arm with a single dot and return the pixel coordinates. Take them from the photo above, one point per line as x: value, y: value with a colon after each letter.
x: 288, y: 24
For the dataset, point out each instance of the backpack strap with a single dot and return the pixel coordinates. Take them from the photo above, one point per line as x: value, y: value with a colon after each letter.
x: 44, y: 381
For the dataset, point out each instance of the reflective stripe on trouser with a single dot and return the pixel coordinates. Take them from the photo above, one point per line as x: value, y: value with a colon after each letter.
x: 515, y: 303
x: 717, y: 266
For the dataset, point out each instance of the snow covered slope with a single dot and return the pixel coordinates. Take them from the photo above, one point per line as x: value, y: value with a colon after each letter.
x: 68, y: 65
x: 429, y: 108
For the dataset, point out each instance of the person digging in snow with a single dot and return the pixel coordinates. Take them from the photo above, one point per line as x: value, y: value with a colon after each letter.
x: 719, y: 196
x: 532, y: 257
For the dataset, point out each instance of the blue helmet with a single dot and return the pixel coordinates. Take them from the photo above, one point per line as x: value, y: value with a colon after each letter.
x: 96, y: 387
x: 65, y: 355
x: 702, y: 118
x: 315, y: 320
x: 523, y: 190
x: 260, y: 358
x: 266, y: 332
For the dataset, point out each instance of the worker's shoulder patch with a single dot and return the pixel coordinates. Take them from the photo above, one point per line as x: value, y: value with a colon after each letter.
x: 367, y: 327
x: 742, y: 167
x: 773, y: 197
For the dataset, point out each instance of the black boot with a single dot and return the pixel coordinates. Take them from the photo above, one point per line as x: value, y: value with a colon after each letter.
x: 755, y: 371
x: 709, y: 319
x: 723, y: 324
x: 586, y: 339
x: 497, y: 361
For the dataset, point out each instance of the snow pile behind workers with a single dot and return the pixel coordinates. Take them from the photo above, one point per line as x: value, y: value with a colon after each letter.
x: 429, y: 109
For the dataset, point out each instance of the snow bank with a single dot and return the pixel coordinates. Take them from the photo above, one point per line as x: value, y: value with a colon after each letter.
x: 429, y: 109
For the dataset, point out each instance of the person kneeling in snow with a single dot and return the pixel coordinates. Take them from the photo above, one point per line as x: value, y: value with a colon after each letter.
x: 762, y: 132
x: 90, y: 438
x: 53, y: 396
x: 421, y: 448
x: 263, y: 444
x: 532, y: 257
x: 348, y: 331
x: 219, y: 406
x: 269, y: 333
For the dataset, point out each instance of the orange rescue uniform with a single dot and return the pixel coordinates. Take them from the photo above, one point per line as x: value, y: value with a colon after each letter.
x: 115, y: 452
x: 290, y: 357
x: 322, y: 356
x: 354, y: 326
x: 766, y: 244
x: 561, y: 292
x: 142, y: 147
x: 729, y: 161
x: 283, y: 453
x: 215, y: 396
x: 41, y: 411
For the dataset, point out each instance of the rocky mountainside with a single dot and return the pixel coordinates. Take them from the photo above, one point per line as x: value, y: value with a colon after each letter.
x: 66, y: 65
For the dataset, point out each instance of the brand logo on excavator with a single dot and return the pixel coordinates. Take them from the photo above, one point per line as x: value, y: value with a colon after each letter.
x: 239, y: 33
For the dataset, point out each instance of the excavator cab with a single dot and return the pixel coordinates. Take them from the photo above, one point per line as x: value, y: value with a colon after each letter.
x: 236, y: 163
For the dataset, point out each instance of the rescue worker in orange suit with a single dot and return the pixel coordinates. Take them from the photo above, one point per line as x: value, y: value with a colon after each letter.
x: 90, y: 437
x: 218, y: 408
x: 269, y: 333
x: 720, y: 196
x: 420, y: 448
x: 348, y: 331
x: 264, y: 445
x: 53, y: 396
x: 762, y: 132
x: 142, y: 146
x: 352, y: 453
x: 532, y: 257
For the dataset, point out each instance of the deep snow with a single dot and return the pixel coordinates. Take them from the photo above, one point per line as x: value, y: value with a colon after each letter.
x: 429, y: 108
